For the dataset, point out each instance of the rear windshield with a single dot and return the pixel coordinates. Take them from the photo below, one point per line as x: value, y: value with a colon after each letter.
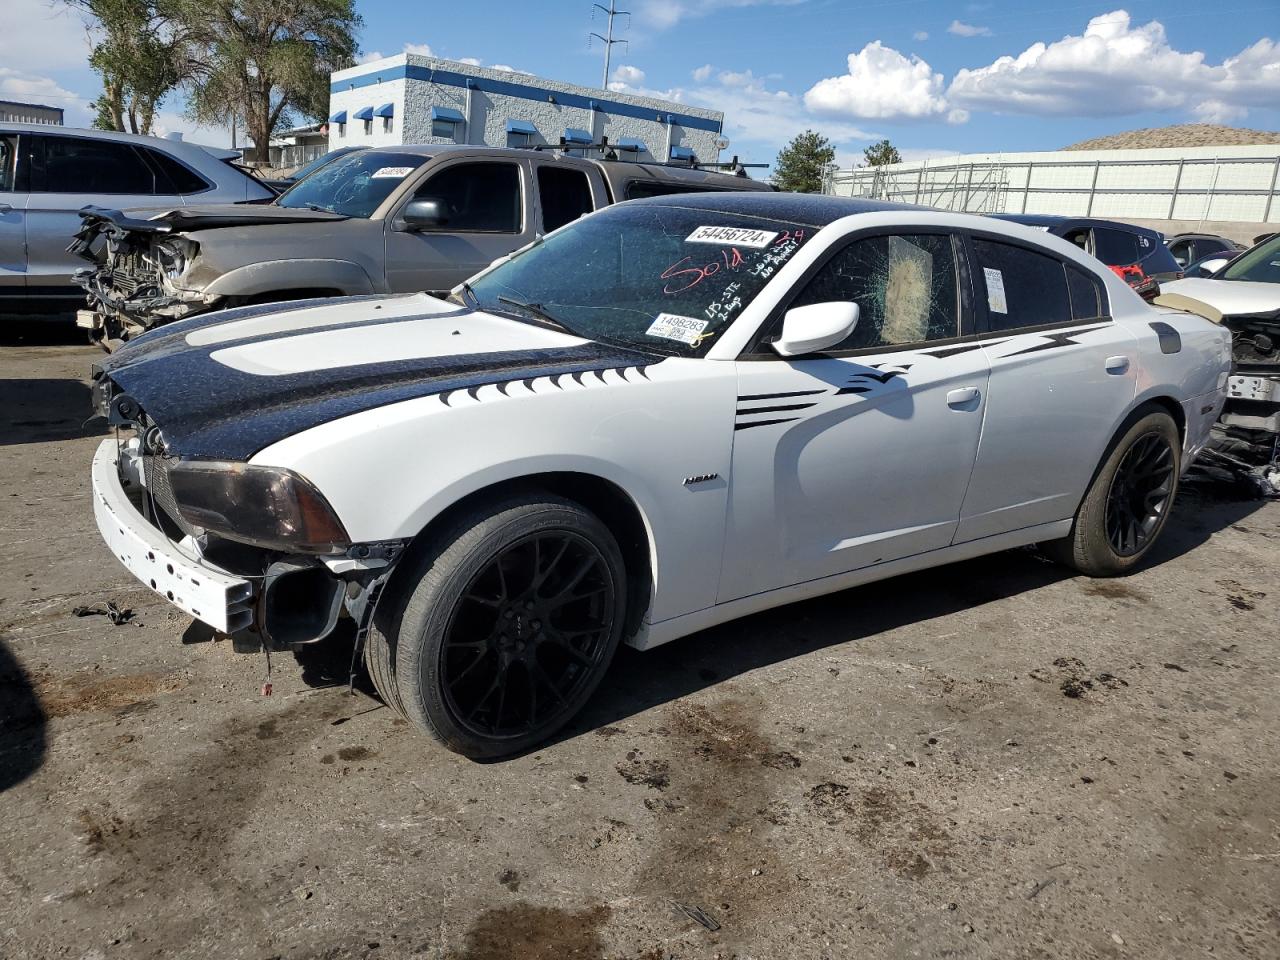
x: 354, y: 185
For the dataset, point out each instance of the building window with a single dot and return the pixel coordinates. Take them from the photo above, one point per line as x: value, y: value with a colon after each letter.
x: 342, y: 130
x: 386, y: 125
x: 368, y: 126
x: 517, y: 139
x: 444, y: 128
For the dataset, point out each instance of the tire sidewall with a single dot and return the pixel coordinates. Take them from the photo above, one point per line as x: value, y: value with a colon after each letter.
x: 430, y: 608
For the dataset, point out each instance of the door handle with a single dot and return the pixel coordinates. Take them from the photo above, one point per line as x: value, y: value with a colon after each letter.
x: 6, y: 207
x: 1117, y: 365
x: 962, y: 396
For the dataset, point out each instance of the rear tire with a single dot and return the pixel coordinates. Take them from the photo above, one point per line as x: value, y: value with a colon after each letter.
x: 1127, y: 505
x: 504, y: 628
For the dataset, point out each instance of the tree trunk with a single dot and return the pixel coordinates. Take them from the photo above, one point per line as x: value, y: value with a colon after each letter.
x: 115, y: 96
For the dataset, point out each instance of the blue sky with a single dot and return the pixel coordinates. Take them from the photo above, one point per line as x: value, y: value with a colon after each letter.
x: 933, y: 77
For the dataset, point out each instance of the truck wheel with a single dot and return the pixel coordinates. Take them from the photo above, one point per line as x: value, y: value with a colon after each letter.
x: 1128, y: 502
x: 507, y: 625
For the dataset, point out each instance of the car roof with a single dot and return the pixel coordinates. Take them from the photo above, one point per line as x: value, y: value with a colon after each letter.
x: 813, y: 209
x: 1051, y: 220
x: 181, y: 148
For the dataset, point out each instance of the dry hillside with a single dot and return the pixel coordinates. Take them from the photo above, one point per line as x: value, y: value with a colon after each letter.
x: 1180, y: 135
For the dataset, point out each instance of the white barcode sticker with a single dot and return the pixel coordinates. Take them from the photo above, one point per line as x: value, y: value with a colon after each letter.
x: 672, y: 326
x: 996, y: 301
x: 732, y: 236
x: 396, y: 172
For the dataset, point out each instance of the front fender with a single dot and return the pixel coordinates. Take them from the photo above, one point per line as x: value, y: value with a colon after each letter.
x: 272, y: 276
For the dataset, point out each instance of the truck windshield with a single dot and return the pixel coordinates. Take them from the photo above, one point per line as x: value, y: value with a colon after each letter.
x: 353, y: 185
x: 664, y: 279
x: 1261, y: 264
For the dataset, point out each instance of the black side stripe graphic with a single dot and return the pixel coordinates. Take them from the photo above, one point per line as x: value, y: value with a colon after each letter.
x: 779, y: 396
x: 853, y: 390
x: 953, y: 351
x: 776, y: 408
x: 764, y: 423
x: 1056, y: 340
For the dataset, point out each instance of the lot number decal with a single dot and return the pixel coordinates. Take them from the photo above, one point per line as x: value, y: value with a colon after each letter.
x: 396, y: 172
x: 737, y: 236
x: 672, y: 326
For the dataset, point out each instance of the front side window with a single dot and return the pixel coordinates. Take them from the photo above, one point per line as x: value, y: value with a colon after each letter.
x: 905, y: 288
x: 478, y: 197
x: 665, y: 280
x: 565, y: 195
x: 1182, y: 252
x: 75, y: 165
x: 353, y: 185
x: 1115, y: 248
x: 1022, y: 288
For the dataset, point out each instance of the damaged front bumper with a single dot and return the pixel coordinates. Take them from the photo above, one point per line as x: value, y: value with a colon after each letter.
x: 263, y: 598
x: 116, y: 314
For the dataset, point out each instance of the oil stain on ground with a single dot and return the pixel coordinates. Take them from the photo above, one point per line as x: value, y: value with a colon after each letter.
x: 93, y: 691
x: 526, y: 932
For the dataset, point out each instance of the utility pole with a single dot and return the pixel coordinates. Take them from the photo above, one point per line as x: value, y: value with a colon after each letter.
x: 610, y: 11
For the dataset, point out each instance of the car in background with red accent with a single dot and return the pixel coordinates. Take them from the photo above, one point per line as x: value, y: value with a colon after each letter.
x: 1136, y: 254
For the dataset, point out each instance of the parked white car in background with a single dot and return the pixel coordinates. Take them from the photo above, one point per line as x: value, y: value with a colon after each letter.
x: 48, y: 173
x: 663, y: 416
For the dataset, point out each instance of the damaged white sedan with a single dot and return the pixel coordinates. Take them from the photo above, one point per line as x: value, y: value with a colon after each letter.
x: 666, y: 415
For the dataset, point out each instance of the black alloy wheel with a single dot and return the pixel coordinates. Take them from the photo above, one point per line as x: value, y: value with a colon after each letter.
x: 1140, y: 494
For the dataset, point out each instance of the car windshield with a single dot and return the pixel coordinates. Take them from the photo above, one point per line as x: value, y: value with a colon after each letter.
x: 324, y: 159
x: 662, y: 279
x: 1261, y: 264
x: 353, y: 185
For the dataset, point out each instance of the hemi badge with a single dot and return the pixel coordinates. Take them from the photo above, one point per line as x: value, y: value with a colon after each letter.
x: 701, y: 478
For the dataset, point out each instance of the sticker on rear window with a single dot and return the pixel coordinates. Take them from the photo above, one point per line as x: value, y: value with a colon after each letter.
x: 735, y: 236
x: 396, y: 172
x: 995, y: 291
x: 672, y: 326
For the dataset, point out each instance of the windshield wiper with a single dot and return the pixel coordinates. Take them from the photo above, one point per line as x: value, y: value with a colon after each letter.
x: 536, y: 311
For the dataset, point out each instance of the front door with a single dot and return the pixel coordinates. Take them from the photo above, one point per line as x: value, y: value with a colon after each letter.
x: 489, y: 215
x: 863, y: 454
x: 1062, y: 374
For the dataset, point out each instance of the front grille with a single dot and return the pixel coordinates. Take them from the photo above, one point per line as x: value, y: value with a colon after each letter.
x: 155, y: 474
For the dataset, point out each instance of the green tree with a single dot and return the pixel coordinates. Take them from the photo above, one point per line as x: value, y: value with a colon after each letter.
x: 265, y: 60
x: 879, y: 154
x: 139, y: 53
x: 802, y: 164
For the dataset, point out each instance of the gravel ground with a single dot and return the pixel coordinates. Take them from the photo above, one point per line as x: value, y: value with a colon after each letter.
x: 993, y: 759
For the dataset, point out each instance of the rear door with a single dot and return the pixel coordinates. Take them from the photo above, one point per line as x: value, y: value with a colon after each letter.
x: 68, y: 173
x: 1062, y: 374
x: 490, y: 212
x: 13, y: 236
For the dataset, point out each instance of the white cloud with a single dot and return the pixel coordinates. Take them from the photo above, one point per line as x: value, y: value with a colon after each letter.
x: 469, y: 61
x: 368, y: 56
x: 961, y: 29
x: 881, y: 83
x: 421, y: 49
x: 703, y: 73
x: 629, y: 75
x: 667, y: 13
x: 1117, y: 68
x: 44, y: 36
x: 920, y: 35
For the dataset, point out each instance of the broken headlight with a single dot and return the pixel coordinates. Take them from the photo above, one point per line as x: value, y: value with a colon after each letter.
x: 172, y: 256
x: 269, y: 507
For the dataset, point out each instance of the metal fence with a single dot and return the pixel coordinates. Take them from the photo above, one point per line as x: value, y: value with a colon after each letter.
x: 1236, y: 188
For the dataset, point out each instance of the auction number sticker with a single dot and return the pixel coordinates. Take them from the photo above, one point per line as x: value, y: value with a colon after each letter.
x: 736, y: 236
x: 396, y: 172
x: 996, y: 301
x: 672, y: 326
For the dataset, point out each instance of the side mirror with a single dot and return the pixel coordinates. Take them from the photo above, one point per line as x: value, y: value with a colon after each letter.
x: 815, y: 327
x: 423, y: 214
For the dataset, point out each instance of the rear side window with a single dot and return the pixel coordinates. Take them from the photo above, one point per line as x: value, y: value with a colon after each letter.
x: 905, y: 288
x: 174, y: 177
x: 1022, y: 288
x: 1088, y: 298
x: 565, y: 195
x: 639, y: 189
x: 480, y: 197
x: 75, y: 165
x: 1116, y: 248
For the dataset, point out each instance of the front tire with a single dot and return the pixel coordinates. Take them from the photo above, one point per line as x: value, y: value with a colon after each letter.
x: 505, y: 627
x: 1128, y: 502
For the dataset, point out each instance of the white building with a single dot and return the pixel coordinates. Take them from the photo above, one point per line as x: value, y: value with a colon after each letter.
x: 414, y: 99
x: 1226, y: 189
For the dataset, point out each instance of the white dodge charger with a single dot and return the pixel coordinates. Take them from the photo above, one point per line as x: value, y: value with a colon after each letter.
x: 666, y: 415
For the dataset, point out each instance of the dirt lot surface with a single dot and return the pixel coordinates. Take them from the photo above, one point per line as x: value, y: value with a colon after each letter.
x: 994, y: 759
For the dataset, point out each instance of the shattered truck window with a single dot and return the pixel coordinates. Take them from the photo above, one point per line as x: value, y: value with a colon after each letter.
x: 664, y: 279
x: 904, y: 286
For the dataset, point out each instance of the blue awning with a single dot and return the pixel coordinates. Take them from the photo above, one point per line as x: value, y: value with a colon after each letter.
x: 446, y: 113
x: 574, y: 135
x: 626, y: 143
x: 386, y: 110
x: 339, y: 117
x: 681, y: 153
x: 364, y: 113
x: 521, y: 126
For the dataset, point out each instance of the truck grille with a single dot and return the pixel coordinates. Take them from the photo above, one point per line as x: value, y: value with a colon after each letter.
x: 155, y: 474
